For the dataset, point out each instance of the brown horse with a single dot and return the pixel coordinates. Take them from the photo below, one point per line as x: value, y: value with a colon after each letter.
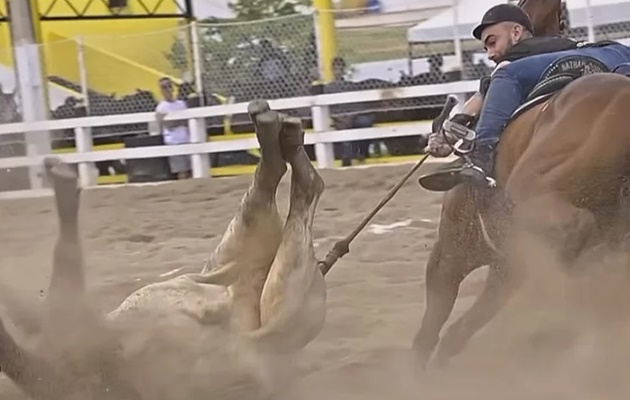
x: 560, y: 168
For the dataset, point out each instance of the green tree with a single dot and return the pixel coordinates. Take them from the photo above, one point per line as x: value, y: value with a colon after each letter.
x: 232, y: 53
x: 178, y: 56
x: 252, y: 10
x: 231, y: 50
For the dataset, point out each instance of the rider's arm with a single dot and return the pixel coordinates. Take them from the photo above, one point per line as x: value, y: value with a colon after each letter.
x: 472, y: 107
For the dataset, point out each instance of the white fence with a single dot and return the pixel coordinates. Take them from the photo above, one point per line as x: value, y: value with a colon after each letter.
x: 323, y: 138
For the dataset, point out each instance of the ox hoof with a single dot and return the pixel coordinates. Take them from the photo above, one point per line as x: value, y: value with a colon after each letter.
x: 257, y: 107
x: 58, y: 172
x: 66, y: 186
x: 291, y: 137
x: 268, y: 127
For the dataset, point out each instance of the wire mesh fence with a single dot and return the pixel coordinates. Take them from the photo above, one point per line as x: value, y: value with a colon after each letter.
x: 610, y: 31
x: 122, y: 72
x: 112, y: 74
x: 12, y: 145
x: 272, y: 59
x: 375, y: 54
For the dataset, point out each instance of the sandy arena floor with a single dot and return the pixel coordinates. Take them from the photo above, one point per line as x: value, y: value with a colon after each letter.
x: 137, y: 235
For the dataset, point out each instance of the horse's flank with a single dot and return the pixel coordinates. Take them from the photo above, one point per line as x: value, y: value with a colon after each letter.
x: 580, y: 132
x: 573, y: 145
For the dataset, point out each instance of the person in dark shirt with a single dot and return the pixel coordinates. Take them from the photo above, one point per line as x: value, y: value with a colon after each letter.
x: 348, y: 116
x: 508, y: 38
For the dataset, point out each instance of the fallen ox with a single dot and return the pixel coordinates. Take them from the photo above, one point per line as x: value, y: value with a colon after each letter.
x: 261, y: 297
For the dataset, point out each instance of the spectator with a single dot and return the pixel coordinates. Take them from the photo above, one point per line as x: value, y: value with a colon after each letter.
x: 173, y: 132
x: 273, y: 68
x: 353, y: 117
x: 435, y: 75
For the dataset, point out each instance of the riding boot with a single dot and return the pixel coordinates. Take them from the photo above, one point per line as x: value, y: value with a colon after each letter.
x: 479, y: 170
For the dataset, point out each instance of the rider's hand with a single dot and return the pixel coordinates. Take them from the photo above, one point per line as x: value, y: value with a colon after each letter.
x: 464, y: 119
x: 437, y: 146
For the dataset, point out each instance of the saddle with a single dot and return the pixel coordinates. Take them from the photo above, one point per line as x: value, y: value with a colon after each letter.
x: 555, y: 78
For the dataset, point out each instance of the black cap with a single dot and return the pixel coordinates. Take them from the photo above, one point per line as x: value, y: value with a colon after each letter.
x: 503, y: 13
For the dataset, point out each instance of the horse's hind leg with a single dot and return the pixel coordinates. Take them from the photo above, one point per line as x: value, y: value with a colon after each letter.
x: 445, y: 272
x: 555, y: 224
x: 497, y: 289
x: 294, y: 296
x: 243, y: 257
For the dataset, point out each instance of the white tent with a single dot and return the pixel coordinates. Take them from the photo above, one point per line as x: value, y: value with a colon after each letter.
x: 442, y: 27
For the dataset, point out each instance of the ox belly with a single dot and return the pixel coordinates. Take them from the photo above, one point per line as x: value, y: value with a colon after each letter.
x: 171, y: 354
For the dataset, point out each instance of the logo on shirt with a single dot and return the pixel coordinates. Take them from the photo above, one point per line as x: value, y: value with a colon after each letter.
x: 577, y: 65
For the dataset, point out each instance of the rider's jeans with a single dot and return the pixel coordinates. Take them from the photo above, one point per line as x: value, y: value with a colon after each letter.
x: 510, y: 85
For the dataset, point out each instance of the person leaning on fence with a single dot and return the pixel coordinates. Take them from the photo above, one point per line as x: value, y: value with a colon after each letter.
x: 348, y: 116
x: 173, y: 132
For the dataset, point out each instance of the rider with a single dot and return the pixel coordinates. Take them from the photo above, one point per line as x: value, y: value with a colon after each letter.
x: 508, y: 38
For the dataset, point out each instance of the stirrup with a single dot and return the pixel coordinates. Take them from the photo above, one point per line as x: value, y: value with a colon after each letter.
x: 459, y: 131
x: 489, y: 180
x: 462, y: 133
x: 457, y: 148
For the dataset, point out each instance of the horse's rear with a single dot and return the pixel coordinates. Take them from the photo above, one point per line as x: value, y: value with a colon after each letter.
x: 565, y: 172
x: 562, y: 168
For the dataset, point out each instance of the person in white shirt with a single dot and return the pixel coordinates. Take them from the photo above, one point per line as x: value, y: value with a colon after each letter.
x: 173, y: 132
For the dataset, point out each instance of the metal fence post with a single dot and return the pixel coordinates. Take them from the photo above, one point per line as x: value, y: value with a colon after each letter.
x: 83, y: 79
x: 457, y: 41
x: 324, y: 152
x: 197, y: 61
x: 589, y: 21
x: 87, y: 173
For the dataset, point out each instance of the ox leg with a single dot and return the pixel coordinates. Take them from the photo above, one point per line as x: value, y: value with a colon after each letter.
x: 26, y: 315
x: 294, y: 296
x: 66, y: 292
x: 73, y: 327
x: 243, y: 257
x: 68, y: 314
x: 43, y: 380
x: 69, y: 307
x: 35, y: 376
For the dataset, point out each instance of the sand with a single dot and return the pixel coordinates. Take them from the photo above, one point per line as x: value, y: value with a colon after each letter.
x: 137, y: 235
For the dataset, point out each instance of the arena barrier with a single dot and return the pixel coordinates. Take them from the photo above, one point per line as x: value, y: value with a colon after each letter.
x: 323, y: 136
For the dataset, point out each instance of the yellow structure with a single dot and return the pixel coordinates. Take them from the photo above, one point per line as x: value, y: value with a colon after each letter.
x: 326, y: 35
x: 120, y: 55
x: 6, y: 56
